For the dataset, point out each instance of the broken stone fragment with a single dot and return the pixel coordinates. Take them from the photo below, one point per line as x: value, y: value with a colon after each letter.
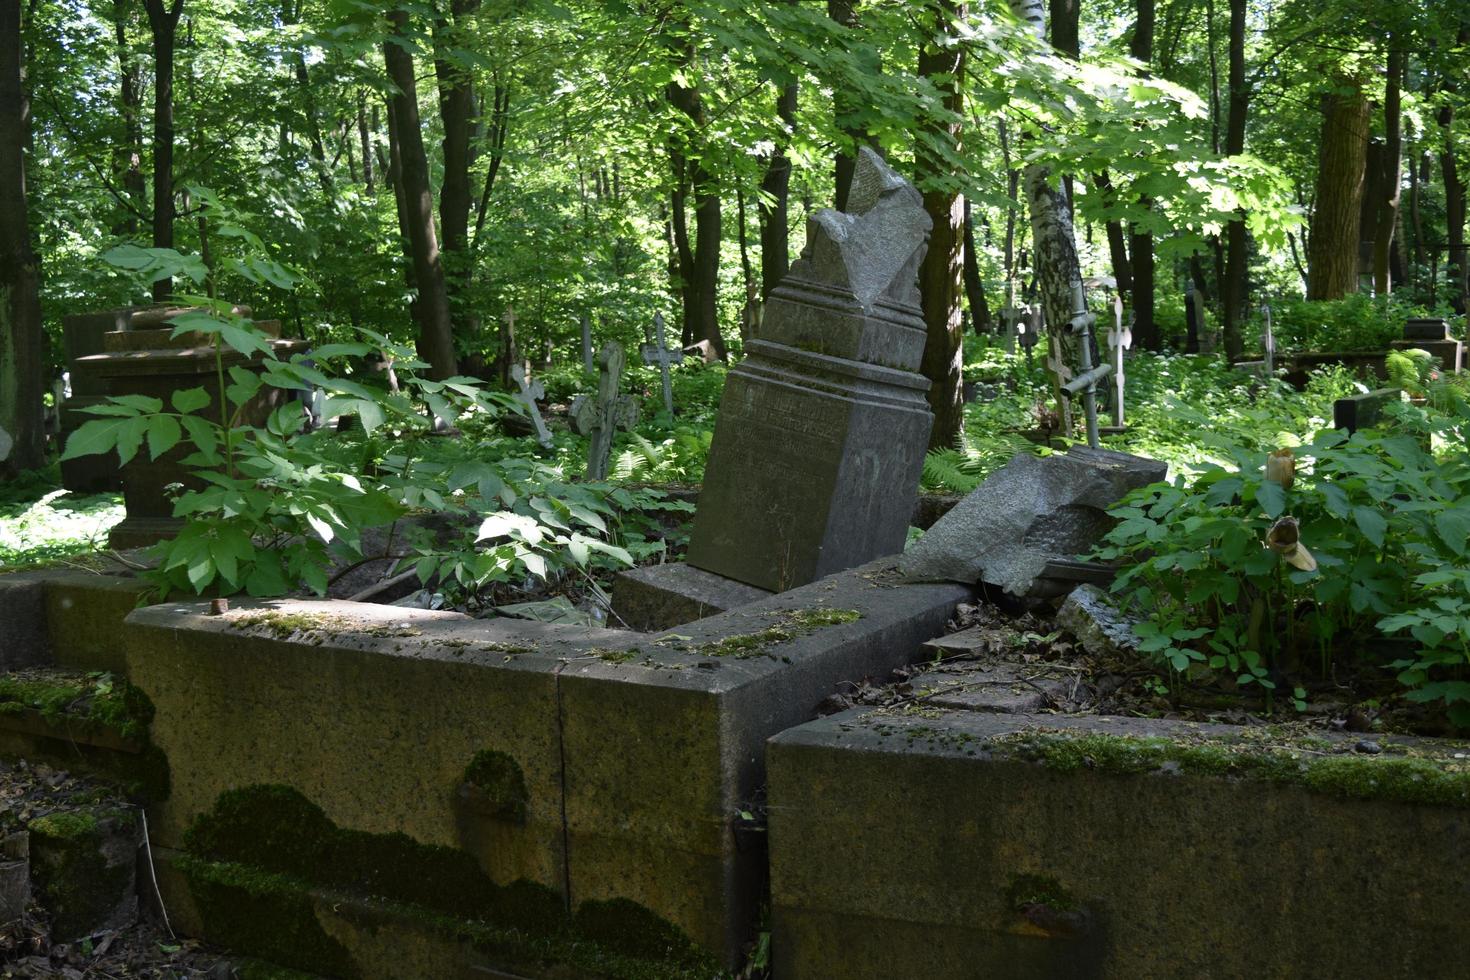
x: 1030, y: 512
x: 1102, y: 629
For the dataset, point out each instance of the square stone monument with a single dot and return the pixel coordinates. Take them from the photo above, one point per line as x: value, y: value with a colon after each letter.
x: 823, y: 427
x: 148, y: 361
x: 1433, y: 335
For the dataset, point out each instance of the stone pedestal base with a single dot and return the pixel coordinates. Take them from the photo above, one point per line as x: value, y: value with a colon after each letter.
x: 658, y: 597
x: 1449, y: 353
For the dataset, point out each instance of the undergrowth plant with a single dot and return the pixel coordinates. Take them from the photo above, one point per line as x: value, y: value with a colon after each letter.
x: 1386, y: 521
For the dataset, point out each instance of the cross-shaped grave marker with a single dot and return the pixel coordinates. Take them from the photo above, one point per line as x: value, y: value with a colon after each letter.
x: 587, y: 366
x: 1268, y: 340
x: 600, y: 415
x: 1011, y: 317
x: 663, y: 356
x: 530, y: 392
x: 1120, y: 339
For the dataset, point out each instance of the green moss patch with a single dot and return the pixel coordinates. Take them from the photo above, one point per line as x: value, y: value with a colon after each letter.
x: 83, y: 873
x: 1404, y: 778
x: 94, y: 701
x: 254, y: 860
x: 790, y: 625
x: 283, y: 625
x: 495, y: 781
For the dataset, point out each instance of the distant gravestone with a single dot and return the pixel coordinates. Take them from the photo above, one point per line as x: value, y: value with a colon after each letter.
x: 600, y: 415
x: 661, y: 354
x: 1194, y: 319
x: 1433, y: 335
x: 528, y: 393
x: 587, y: 365
x: 1010, y: 318
x: 823, y: 427
x: 1365, y: 410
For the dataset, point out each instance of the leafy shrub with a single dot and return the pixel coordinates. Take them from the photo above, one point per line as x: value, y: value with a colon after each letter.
x: 1357, y: 322
x: 1387, y: 523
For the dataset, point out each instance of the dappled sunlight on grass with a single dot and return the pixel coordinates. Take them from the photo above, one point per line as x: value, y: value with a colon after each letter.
x: 53, y: 526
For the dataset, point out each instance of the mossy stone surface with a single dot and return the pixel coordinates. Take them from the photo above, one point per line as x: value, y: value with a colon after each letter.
x: 84, y: 867
x: 1075, y: 846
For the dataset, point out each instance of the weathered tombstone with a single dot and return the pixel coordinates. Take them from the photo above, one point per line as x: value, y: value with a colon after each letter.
x: 822, y: 428
x: 1010, y: 318
x: 528, y: 393
x: 149, y: 361
x: 600, y: 415
x: 1194, y: 318
x: 587, y: 366
x: 1433, y: 335
x: 1029, y: 324
x: 662, y: 355
x: 750, y: 314
x: 1364, y: 410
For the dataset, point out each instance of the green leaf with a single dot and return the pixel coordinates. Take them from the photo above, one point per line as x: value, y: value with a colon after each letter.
x: 203, y: 434
x: 96, y: 436
x: 1271, y: 498
x: 188, y: 400
x: 1454, y: 528
x: 1371, y: 523
x: 163, y: 434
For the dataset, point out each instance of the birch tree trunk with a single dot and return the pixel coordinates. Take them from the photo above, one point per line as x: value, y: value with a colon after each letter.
x: 1053, y: 241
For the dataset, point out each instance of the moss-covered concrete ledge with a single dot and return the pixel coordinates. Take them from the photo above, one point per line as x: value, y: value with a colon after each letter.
x: 604, y: 765
x: 1111, y: 847
x: 68, y: 617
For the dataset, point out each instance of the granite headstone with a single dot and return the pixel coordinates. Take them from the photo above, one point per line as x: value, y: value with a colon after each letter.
x: 823, y: 426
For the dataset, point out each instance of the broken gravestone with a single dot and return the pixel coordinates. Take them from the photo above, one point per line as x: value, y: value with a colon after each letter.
x: 600, y: 416
x: 1031, y: 512
x: 820, y: 441
x: 1093, y: 617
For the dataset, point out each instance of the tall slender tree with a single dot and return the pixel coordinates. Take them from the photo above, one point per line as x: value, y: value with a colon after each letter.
x: 1332, y: 250
x: 435, y: 336
x: 1140, y: 240
x: 942, y: 61
x: 1236, y: 247
x: 163, y: 22
x: 22, y: 342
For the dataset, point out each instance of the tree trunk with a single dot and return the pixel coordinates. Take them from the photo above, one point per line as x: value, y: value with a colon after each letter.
x: 1454, y: 191
x: 1234, y: 289
x: 1053, y: 240
x: 456, y: 111
x: 1392, y: 172
x: 365, y: 143
x: 942, y: 61
x: 775, y: 195
x: 436, y: 340
x: 844, y: 12
x: 22, y: 340
x: 1146, y: 332
x: 683, y: 251
x: 1117, y: 237
x: 1332, y: 250
x: 130, y: 153
x: 702, y: 314
x: 974, y: 287
x: 1064, y: 19
x: 163, y: 22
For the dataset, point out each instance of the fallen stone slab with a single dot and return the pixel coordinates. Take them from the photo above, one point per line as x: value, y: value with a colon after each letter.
x: 1032, y: 511
x: 84, y: 863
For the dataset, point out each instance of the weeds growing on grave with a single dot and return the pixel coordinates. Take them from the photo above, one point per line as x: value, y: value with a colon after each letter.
x: 277, y: 507
x: 1387, y: 522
